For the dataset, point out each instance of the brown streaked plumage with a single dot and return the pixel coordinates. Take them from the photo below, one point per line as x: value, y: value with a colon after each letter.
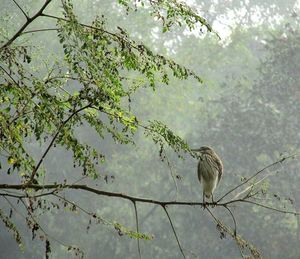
x: 210, y: 170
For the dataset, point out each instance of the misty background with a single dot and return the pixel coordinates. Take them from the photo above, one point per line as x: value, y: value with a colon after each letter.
x: 247, y: 109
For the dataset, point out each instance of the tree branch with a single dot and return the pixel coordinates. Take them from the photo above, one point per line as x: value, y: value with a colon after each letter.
x: 93, y: 28
x: 38, y: 187
x: 222, y: 228
x: 34, y: 171
x: 140, y: 47
x: 25, y: 25
x: 257, y: 173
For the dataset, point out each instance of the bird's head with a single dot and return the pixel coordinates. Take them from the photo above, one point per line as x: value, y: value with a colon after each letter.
x: 204, y: 149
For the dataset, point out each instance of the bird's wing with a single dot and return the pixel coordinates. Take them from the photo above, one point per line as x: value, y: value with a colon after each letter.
x: 199, y: 170
x: 219, y: 166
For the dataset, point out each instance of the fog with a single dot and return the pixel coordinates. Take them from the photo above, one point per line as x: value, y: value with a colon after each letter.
x: 247, y: 109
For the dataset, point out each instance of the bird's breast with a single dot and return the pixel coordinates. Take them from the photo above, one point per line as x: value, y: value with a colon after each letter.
x: 209, y: 186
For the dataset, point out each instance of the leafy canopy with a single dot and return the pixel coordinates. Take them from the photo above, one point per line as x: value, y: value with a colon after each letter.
x: 42, y: 107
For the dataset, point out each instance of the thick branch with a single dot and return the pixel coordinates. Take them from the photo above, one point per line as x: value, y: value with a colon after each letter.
x: 96, y: 191
x: 58, y: 187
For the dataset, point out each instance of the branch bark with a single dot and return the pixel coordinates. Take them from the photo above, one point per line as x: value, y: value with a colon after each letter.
x: 58, y: 187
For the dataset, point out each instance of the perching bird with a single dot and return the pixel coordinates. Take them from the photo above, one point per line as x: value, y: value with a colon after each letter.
x: 210, y: 171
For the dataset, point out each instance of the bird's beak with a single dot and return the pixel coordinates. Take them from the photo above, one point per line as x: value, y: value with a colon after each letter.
x: 196, y: 150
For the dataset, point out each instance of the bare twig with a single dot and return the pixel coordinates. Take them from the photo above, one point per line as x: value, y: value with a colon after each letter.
x: 53, y: 140
x: 25, y: 25
x: 172, y: 174
x: 13, y: 207
x: 35, y: 221
x: 257, y: 173
x: 98, y: 192
x: 26, y: 196
x: 79, y: 207
x: 272, y: 208
x: 39, y: 30
x: 16, y: 3
x: 44, y: 231
x: 137, y: 228
x: 174, y: 231
x: 233, y: 218
x: 250, y: 188
x: 9, y: 75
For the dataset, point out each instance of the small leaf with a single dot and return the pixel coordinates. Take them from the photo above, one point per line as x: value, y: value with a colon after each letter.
x: 11, y: 160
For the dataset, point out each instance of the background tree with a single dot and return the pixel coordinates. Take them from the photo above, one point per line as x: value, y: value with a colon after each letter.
x: 95, y: 80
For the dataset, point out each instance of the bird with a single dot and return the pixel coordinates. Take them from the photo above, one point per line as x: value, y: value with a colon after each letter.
x: 210, y: 171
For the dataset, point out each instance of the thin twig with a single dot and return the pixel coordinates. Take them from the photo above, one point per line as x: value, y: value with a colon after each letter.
x: 25, y: 25
x: 154, y: 207
x: 257, y: 173
x: 39, y: 30
x: 53, y: 140
x: 16, y: 3
x: 172, y: 174
x: 91, y: 214
x: 118, y: 37
x: 251, y: 187
x: 76, y: 205
x: 137, y: 228
x: 174, y: 231
x: 9, y: 75
x: 233, y: 218
x: 42, y: 229
x: 26, y: 196
x: 241, y: 243
x: 14, y: 208
x: 271, y: 208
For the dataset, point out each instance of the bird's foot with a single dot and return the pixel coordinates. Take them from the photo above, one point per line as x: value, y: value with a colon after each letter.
x: 213, y: 202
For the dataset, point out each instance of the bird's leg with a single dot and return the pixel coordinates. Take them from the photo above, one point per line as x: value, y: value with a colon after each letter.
x: 203, y: 201
x: 212, y: 200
